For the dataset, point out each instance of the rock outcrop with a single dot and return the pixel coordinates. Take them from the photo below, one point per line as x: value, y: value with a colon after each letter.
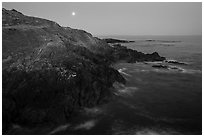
x: 49, y: 71
x: 119, y: 52
x: 160, y: 66
x: 113, y: 41
x: 175, y: 62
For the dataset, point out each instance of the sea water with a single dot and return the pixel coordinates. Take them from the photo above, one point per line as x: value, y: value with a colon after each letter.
x: 154, y: 100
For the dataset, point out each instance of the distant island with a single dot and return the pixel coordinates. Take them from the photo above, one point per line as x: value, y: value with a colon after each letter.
x: 165, y: 41
x: 50, y: 71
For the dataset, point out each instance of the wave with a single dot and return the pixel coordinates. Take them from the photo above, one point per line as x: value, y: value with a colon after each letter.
x: 160, y: 68
x: 93, y: 111
x: 153, y: 62
x: 122, y: 72
x: 174, y: 69
x: 191, y: 71
x: 154, y: 131
x: 59, y: 128
x: 86, y: 125
x: 170, y: 61
x: 118, y: 128
x: 122, y: 90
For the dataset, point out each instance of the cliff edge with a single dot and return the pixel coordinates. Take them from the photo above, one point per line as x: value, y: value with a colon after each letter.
x: 48, y: 71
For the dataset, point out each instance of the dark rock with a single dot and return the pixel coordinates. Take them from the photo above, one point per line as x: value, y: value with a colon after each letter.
x: 155, y: 57
x: 163, y: 41
x: 160, y: 66
x: 131, y: 56
x: 110, y: 40
x: 150, y: 40
x: 175, y: 62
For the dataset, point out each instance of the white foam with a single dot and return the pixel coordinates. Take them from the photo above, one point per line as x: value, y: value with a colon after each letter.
x: 119, y: 129
x: 191, y: 71
x: 144, y: 70
x: 93, y: 111
x: 182, y: 70
x: 139, y: 70
x: 123, y: 90
x: 127, y: 91
x: 146, y: 132
x: 60, y: 128
x: 173, y: 60
x: 154, y: 62
x: 86, y: 125
x: 118, y: 85
x: 121, y: 71
x: 170, y: 67
x: 151, y: 131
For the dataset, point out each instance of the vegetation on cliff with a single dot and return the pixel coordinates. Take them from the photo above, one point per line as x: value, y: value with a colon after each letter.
x: 49, y: 71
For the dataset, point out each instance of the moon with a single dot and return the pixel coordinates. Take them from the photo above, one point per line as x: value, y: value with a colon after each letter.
x: 73, y: 13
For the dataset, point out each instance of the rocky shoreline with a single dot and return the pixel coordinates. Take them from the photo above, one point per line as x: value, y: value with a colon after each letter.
x: 49, y: 71
x: 114, y: 41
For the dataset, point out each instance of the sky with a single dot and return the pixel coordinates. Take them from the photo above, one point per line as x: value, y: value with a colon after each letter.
x: 119, y: 18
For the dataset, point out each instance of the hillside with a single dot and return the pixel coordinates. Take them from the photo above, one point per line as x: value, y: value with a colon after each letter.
x: 50, y: 71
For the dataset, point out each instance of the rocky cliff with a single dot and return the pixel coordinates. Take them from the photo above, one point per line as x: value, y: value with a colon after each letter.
x: 49, y: 71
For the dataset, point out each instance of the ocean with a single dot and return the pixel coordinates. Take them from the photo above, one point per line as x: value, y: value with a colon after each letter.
x: 154, y: 100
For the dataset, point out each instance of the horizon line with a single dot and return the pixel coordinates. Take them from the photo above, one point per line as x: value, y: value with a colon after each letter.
x: 146, y: 35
